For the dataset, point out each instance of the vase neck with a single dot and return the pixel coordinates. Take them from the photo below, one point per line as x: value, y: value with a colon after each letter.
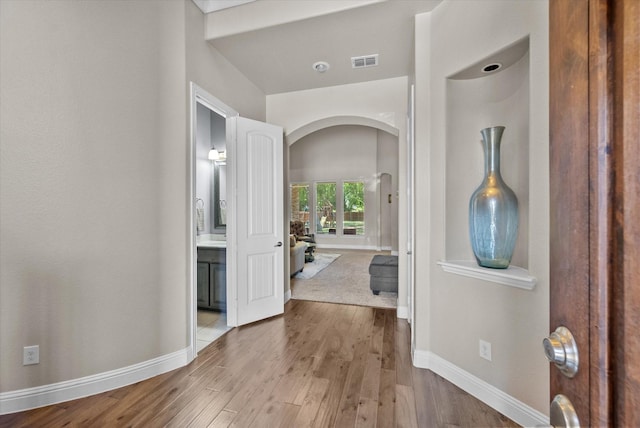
x: 492, y: 158
x: 491, y: 141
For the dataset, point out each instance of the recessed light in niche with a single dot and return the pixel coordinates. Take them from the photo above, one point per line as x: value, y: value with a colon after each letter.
x: 490, y: 68
x: 504, y: 58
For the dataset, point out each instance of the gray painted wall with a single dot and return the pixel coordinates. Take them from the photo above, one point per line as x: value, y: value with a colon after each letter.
x: 210, y: 132
x: 454, y: 312
x: 93, y: 219
x: 204, y: 172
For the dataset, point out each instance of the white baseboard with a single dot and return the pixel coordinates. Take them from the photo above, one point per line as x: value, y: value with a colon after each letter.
x: 287, y: 296
x: 30, y: 398
x: 509, y: 406
x: 402, y: 312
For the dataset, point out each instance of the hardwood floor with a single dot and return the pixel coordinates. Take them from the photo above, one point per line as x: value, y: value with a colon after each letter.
x: 318, y: 365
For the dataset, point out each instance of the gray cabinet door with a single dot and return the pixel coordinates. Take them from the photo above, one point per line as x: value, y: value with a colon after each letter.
x: 212, y: 279
x: 203, y: 285
x: 218, y: 282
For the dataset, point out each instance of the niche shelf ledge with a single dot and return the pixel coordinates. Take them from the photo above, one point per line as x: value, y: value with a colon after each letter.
x: 512, y: 276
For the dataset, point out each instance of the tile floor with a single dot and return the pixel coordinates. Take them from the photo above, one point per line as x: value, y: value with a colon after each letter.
x: 211, y: 325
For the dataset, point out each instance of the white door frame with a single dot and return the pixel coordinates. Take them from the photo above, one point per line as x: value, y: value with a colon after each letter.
x: 199, y: 95
x: 411, y: 218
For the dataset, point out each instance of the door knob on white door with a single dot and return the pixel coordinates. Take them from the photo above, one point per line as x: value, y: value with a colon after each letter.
x: 562, y: 350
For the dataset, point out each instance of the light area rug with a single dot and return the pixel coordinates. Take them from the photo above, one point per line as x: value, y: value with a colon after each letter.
x: 320, y: 261
x: 345, y: 281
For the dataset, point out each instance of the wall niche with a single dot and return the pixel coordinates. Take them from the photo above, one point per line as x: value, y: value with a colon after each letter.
x: 490, y: 92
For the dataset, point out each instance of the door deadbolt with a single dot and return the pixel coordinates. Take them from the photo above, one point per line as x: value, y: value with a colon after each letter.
x: 562, y: 350
x: 563, y: 414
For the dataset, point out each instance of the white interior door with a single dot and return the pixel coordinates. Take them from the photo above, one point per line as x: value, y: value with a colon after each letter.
x: 259, y: 228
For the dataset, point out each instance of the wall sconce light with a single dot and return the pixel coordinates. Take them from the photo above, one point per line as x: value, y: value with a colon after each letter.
x: 216, y: 155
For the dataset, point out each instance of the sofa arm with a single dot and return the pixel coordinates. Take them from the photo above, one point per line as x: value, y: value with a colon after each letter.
x: 296, y: 257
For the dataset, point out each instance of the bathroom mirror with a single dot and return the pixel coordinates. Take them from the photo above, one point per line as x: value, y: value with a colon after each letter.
x: 219, y: 197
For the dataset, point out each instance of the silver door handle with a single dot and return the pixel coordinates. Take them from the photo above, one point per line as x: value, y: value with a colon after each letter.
x: 563, y: 414
x: 279, y: 244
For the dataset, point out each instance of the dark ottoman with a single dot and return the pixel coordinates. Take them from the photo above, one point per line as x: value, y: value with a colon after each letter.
x: 384, y: 274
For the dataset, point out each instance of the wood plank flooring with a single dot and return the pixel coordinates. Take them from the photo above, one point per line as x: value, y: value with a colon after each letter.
x: 318, y: 365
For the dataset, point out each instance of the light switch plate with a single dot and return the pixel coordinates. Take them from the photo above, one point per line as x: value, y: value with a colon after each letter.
x: 485, y: 349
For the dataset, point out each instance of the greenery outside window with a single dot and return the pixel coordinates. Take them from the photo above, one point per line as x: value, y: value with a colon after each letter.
x: 300, y: 204
x: 326, y: 208
x: 353, y: 221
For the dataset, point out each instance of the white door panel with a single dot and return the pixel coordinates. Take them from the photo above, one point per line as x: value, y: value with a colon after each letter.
x: 259, y: 214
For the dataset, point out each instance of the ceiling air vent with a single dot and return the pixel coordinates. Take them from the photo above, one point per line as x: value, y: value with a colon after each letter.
x: 364, y: 61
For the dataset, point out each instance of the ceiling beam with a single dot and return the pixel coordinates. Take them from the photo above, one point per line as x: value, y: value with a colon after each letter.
x: 264, y: 14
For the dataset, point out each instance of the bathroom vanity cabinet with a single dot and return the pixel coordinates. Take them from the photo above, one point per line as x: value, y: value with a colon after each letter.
x: 212, y: 278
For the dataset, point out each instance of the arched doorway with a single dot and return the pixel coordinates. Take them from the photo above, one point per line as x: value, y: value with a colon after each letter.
x: 339, y: 151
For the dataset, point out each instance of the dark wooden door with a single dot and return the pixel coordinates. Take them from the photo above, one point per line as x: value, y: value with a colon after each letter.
x: 595, y: 203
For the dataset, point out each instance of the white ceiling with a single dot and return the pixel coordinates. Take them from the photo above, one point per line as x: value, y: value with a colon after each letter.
x: 207, y: 6
x: 279, y: 58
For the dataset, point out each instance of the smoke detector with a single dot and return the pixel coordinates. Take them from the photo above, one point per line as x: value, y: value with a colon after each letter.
x: 364, y: 61
x: 321, y: 66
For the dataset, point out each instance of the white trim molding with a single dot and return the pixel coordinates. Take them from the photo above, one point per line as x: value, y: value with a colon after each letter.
x: 504, y: 403
x: 287, y: 295
x: 512, y: 276
x: 327, y: 122
x: 402, y: 312
x: 31, y: 398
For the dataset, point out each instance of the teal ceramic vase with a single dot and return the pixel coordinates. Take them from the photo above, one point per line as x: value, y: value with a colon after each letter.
x: 493, y: 209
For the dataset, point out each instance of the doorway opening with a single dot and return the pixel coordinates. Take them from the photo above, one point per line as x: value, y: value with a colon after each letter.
x: 343, y: 187
x: 235, y: 269
x: 208, y: 207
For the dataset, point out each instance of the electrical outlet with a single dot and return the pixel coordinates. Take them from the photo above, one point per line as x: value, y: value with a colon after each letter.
x: 31, y: 355
x: 485, y: 349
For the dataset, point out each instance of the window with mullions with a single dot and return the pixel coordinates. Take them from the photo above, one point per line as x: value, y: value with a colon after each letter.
x: 353, y: 195
x: 326, y: 208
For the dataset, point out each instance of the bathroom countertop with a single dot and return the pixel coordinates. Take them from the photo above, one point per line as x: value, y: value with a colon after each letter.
x: 211, y: 241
